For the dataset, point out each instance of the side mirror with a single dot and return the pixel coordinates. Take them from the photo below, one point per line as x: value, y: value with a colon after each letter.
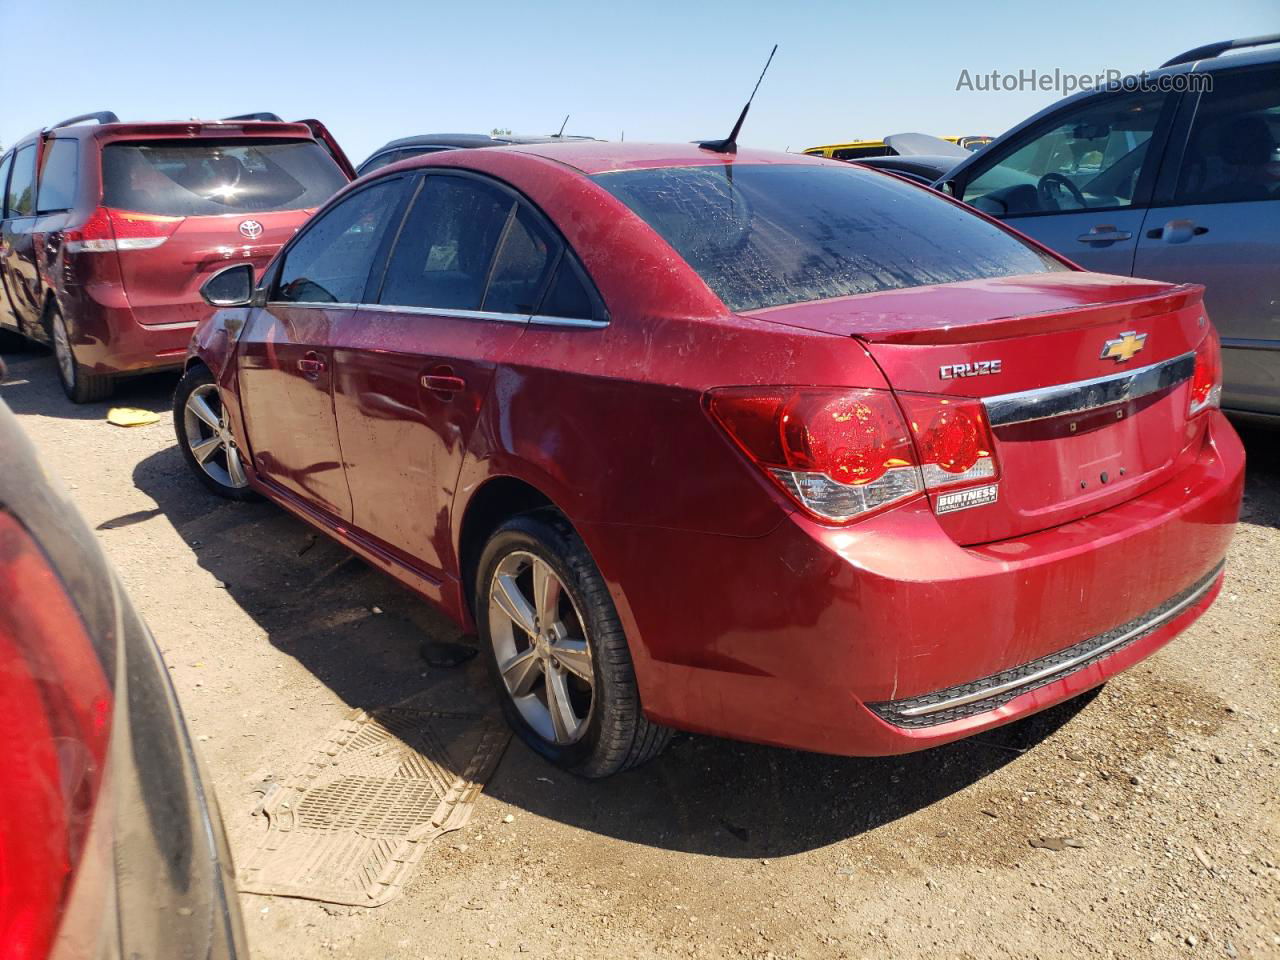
x: 948, y: 187
x: 230, y: 287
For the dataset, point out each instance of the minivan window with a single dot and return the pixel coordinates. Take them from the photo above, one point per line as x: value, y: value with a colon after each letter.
x: 22, y: 185
x: 446, y: 246
x: 762, y: 235
x: 187, y: 178
x: 5, y: 166
x: 58, y: 176
x: 1233, y: 152
x: 330, y: 263
x: 1090, y: 158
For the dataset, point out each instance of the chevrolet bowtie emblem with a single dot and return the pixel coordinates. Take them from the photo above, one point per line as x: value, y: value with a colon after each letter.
x: 1123, y: 347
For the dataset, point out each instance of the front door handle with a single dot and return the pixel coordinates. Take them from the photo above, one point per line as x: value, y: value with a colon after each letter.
x: 1177, y: 231
x: 1104, y: 235
x: 312, y: 365
x: 443, y: 383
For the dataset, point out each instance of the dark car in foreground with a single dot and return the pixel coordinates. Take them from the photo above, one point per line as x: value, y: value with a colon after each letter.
x: 1177, y: 180
x: 415, y: 146
x: 110, y: 845
x: 752, y: 444
x: 109, y: 229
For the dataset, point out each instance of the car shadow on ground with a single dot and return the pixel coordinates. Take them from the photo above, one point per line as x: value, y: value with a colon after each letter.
x: 1262, y: 475
x: 31, y: 386
x: 360, y: 634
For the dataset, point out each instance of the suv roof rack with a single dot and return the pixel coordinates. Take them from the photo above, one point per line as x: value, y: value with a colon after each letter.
x: 102, y: 116
x: 1211, y: 50
x: 266, y: 117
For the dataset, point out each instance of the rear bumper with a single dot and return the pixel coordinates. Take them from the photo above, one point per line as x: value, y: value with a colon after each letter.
x: 108, y: 339
x: 789, y: 638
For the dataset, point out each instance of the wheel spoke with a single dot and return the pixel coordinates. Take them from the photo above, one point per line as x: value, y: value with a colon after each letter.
x: 521, y: 671
x: 563, y: 721
x: 546, y: 593
x: 574, y: 656
x: 200, y: 407
x: 235, y: 470
x: 206, y: 448
x: 513, y: 603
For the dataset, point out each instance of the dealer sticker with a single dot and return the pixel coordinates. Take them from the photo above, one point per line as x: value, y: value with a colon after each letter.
x: 964, y: 499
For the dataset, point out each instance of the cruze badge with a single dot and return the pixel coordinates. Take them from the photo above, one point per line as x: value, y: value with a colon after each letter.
x: 951, y: 371
x: 1123, y: 347
x: 251, y: 229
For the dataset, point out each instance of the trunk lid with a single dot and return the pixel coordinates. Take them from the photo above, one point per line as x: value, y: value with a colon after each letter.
x: 1085, y: 380
x: 163, y: 284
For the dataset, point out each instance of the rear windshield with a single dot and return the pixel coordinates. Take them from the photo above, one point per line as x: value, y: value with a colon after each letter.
x: 762, y: 235
x: 188, y: 178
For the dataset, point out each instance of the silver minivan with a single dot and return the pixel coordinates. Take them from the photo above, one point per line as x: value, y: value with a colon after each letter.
x: 1174, y: 179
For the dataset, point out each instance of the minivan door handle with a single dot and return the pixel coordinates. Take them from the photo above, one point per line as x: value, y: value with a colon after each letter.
x: 443, y: 380
x: 1104, y: 235
x: 1177, y: 231
x: 312, y: 365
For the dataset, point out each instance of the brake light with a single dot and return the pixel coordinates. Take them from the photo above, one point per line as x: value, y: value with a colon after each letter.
x: 953, y: 439
x: 56, y: 701
x: 1206, y: 381
x: 840, y: 454
x: 107, y: 231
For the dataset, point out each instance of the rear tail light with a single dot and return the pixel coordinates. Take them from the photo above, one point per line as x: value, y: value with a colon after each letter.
x: 56, y: 703
x: 107, y: 231
x: 1206, y: 382
x: 842, y: 454
x: 952, y: 437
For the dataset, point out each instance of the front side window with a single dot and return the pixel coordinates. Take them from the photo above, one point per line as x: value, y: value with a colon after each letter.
x: 1233, y: 152
x: 58, y: 176
x: 330, y: 263
x: 22, y: 185
x: 446, y: 247
x: 190, y: 178
x: 1089, y: 160
x: 761, y: 235
x: 5, y: 166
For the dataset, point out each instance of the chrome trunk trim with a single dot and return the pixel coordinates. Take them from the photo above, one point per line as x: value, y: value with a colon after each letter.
x: 1085, y: 395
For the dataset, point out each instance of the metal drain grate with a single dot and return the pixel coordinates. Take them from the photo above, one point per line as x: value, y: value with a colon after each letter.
x: 351, y: 823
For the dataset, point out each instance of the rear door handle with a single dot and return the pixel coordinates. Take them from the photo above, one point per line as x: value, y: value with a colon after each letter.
x: 312, y: 365
x: 1177, y: 231
x: 1104, y: 234
x: 443, y: 383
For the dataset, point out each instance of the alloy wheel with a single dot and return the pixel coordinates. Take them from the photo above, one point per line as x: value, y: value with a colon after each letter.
x: 541, y: 647
x: 209, y: 438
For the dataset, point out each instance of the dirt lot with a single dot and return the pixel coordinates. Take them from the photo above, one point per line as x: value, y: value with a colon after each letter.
x: 1164, y: 784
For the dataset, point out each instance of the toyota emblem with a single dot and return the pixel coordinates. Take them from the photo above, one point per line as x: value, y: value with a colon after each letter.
x: 251, y: 229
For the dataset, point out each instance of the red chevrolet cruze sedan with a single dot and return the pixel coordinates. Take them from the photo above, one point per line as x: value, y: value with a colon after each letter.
x: 753, y: 444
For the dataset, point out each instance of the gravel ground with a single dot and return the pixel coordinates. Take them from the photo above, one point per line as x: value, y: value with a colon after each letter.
x: 1141, y: 821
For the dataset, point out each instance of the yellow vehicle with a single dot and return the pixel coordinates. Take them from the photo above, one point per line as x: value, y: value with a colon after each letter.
x: 860, y: 149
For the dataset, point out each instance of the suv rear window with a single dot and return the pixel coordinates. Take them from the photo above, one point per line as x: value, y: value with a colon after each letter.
x: 762, y: 235
x: 188, y: 178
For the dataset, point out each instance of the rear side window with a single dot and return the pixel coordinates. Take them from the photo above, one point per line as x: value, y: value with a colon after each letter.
x: 188, y: 178
x: 22, y: 185
x: 762, y: 235
x: 522, y: 266
x: 1233, y: 152
x: 446, y: 247
x: 58, y: 176
x: 330, y: 263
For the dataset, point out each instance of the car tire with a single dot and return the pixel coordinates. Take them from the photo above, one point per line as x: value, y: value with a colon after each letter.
x: 78, y: 383
x: 205, y: 437
x: 612, y: 733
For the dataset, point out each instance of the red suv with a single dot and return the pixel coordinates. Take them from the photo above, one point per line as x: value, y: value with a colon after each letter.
x: 758, y: 445
x: 109, y: 229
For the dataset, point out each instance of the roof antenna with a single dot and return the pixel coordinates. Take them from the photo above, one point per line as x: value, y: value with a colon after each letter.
x: 563, y: 125
x: 730, y: 143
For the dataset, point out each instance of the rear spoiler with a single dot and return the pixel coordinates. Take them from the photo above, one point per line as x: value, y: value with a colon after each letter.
x: 999, y: 328
x: 321, y: 133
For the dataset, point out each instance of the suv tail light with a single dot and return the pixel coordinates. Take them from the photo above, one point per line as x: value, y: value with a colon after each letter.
x: 1206, y: 382
x: 56, y: 702
x: 107, y: 231
x: 842, y: 454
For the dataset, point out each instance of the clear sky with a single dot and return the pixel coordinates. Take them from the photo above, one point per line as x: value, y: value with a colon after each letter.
x: 373, y: 70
